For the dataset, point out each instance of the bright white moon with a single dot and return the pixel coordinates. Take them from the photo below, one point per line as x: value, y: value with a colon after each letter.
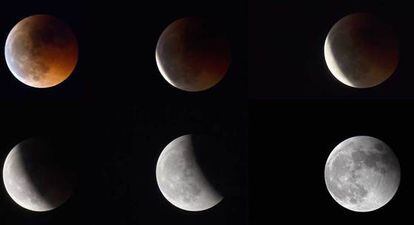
x: 362, y: 173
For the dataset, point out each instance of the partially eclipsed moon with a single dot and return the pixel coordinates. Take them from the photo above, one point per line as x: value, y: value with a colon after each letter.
x: 180, y: 178
x: 34, y: 178
x: 362, y: 173
x: 192, y: 54
x: 361, y: 51
x: 41, y: 51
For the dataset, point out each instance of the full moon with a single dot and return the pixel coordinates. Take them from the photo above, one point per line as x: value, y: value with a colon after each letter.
x: 362, y: 173
x: 361, y: 51
x: 181, y: 179
x: 34, y: 178
x: 41, y: 51
x: 192, y: 54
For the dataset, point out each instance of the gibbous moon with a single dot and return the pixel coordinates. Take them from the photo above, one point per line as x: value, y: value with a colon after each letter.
x: 41, y: 51
x: 181, y: 179
x: 362, y: 173
x: 192, y: 54
x: 361, y: 51
x: 34, y: 178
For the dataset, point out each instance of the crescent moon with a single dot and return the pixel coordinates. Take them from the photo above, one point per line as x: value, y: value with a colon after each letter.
x: 192, y: 54
x: 361, y: 51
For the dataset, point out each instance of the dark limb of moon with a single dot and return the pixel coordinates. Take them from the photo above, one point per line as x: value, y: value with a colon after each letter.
x: 41, y: 51
x: 35, y: 176
x: 362, y: 173
x: 361, y: 51
x: 192, y: 54
x: 181, y: 179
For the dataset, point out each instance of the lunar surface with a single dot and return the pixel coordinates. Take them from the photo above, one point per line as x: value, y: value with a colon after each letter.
x: 362, y: 174
x: 41, y: 51
x: 181, y: 179
x: 33, y: 177
x: 361, y: 51
x: 192, y: 54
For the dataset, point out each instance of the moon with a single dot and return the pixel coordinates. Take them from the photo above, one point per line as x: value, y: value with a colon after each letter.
x: 362, y: 173
x: 361, y: 51
x: 41, y: 51
x: 192, y: 54
x: 33, y: 177
x: 181, y: 179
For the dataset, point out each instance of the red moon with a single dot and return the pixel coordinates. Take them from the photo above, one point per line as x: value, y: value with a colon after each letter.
x: 41, y: 51
x: 192, y: 54
x: 361, y: 50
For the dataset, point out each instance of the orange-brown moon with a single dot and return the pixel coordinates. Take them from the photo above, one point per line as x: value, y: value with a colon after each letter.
x: 193, y: 54
x: 41, y: 51
x: 361, y: 50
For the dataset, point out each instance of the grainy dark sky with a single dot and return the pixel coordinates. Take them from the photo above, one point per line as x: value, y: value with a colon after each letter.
x: 286, y: 41
x: 299, y: 112
x: 301, y: 134
x: 119, y: 113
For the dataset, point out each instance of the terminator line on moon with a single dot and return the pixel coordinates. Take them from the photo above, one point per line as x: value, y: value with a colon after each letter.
x: 362, y: 173
x: 192, y: 54
x: 361, y: 51
x: 41, y: 51
x: 181, y: 180
x: 33, y: 177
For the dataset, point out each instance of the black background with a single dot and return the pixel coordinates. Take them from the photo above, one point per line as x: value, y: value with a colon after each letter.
x: 292, y: 141
x: 286, y: 40
x: 299, y: 112
x: 117, y: 113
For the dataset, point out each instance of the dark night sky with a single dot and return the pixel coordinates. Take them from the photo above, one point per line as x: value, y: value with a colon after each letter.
x: 299, y: 112
x: 297, y: 136
x: 286, y: 41
x: 117, y: 113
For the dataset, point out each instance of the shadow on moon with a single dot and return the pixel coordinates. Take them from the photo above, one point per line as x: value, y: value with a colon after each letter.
x: 37, y: 174
x: 361, y: 51
x: 189, y: 175
x: 193, y: 54
x: 41, y: 51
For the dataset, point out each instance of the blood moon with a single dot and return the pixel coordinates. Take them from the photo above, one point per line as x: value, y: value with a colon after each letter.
x: 193, y: 54
x: 41, y: 51
x: 361, y: 51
